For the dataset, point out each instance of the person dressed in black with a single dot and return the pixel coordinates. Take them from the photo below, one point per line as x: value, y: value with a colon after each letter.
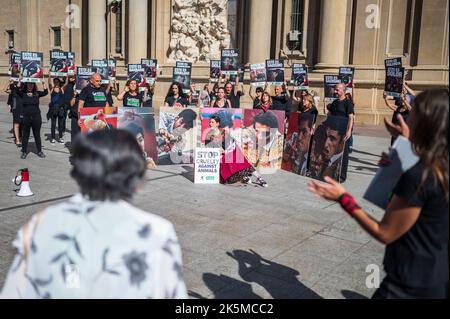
x: 56, y: 112
x: 175, y: 97
x: 93, y: 95
x: 73, y: 115
x: 131, y: 96
x: 15, y: 105
x: 343, y: 107
x: 308, y: 106
x: 256, y: 98
x: 400, y: 106
x: 68, y: 89
x: 148, y: 95
x: 233, y: 93
x: 31, y: 116
x: 415, y: 227
x: 281, y: 101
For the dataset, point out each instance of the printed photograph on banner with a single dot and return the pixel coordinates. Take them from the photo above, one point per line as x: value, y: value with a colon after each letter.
x: 83, y: 76
x: 299, y: 78
x: 112, y: 69
x: 140, y: 121
x: 31, y: 66
x: 298, y: 143
x: 347, y: 75
x: 151, y: 70
x: 58, y: 63
x: 393, y: 85
x: 177, y: 135
x: 14, y: 66
x: 137, y: 72
x: 329, y: 83
x: 214, y: 71
x: 182, y: 75
x: 394, y: 62
x: 229, y: 119
x: 101, y: 67
x: 275, y: 72
x: 71, y: 66
x: 258, y: 76
x: 207, y: 165
x: 229, y: 61
x: 98, y: 118
x: 262, y: 138
x: 327, y: 150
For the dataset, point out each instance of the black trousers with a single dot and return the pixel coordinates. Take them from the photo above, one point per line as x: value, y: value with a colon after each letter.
x: 31, y: 122
x: 75, y: 128
x: 390, y: 289
x: 60, y: 120
x: 345, y: 159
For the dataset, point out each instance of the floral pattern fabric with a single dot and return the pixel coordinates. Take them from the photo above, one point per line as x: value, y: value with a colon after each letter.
x: 107, y: 250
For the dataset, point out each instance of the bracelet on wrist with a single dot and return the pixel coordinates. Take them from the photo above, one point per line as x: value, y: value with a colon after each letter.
x: 348, y: 203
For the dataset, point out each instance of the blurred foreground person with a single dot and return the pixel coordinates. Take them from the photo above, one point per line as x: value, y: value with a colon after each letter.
x: 97, y: 245
x: 415, y: 225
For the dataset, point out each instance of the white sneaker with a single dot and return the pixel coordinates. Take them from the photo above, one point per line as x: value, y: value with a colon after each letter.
x: 53, y: 141
x: 61, y: 141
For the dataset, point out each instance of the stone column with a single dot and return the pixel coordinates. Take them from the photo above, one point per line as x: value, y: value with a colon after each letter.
x: 333, y: 33
x: 29, y: 22
x: 260, y: 30
x: 97, y: 29
x: 137, y: 32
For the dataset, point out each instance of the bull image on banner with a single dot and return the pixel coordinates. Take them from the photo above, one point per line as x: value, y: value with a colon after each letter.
x: 141, y: 123
x: 298, y: 141
x: 258, y: 76
x: 182, y: 75
x: 71, y: 66
x: 275, y: 72
x: 230, y: 120
x: 83, y: 77
x: 214, y: 71
x: 330, y: 82
x: 31, y: 66
x: 14, y: 66
x: 151, y: 70
x: 262, y: 138
x: 300, y: 76
x: 177, y: 135
x: 58, y: 63
x: 98, y: 118
x: 229, y: 61
x: 137, y: 72
x: 394, y: 81
x: 207, y: 165
x: 327, y: 151
x: 101, y: 67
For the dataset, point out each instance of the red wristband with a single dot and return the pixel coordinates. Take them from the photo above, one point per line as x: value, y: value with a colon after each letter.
x: 348, y: 203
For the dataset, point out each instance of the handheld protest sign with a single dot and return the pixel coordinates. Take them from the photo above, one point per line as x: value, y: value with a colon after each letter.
x: 71, y: 66
x: 214, y: 71
x: 393, y: 85
x: 112, y: 69
x: 83, y: 77
x: 58, y: 63
x: 207, y: 165
x: 258, y: 76
x: 101, y: 67
x: 229, y: 61
x: 151, y: 70
x: 275, y: 72
x: 299, y: 78
x: 14, y: 66
x: 137, y: 72
x: 329, y: 83
x: 31, y: 66
x: 182, y: 75
x: 347, y: 75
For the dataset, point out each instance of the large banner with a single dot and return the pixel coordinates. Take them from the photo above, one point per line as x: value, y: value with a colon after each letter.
x: 31, y: 66
x: 83, y: 77
x: 275, y: 72
x: 151, y: 70
x: 58, y: 63
x: 71, y: 66
x: 329, y: 84
x: 182, y: 75
x: 112, y: 69
x: 140, y: 121
x: 299, y: 77
x: 14, y: 66
x: 394, y: 81
x: 230, y: 120
x: 98, y: 118
x: 137, y: 72
x: 327, y: 151
x: 262, y: 138
x: 214, y: 71
x: 207, y: 165
x: 347, y: 75
x: 258, y: 76
x: 177, y: 135
x: 101, y: 67
x: 229, y: 61
x: 296, y: 152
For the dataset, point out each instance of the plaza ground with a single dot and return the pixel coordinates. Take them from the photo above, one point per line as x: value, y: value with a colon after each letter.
x: 237, y: 241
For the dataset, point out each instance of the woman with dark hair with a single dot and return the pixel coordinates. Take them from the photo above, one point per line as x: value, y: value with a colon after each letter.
x: 148, y: 94
x: 221, y: 101
x: 415, y: 225
x: 266, y: 101
x: 15, y: 105
x: 56, y: 110
x: 96, y: 244
x: 131, y: 96
x: 256, y: 98
x: 31, y: 116
x: 175, y: 96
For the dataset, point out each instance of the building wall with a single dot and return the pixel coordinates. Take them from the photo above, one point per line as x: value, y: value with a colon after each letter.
x: 334, y: 33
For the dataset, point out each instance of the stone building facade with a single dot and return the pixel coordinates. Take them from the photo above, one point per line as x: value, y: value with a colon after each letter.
x: 333, y: 33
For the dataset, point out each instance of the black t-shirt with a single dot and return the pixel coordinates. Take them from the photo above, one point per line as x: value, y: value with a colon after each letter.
x: 341, y: 108
x: 281, y: 103
x: 312, y: 110
x: 180, y: 100
x: 149, y: 101
x: 132, y: 101
x: 235, y: 100
x: 68, y: 94
x: 420, y: 257
x: 257, y: 103
x: 30, y: 101
x: 93, y: 97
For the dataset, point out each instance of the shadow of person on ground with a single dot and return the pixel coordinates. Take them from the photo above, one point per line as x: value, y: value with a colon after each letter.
x: 352, y: 295
x: 189, y: 173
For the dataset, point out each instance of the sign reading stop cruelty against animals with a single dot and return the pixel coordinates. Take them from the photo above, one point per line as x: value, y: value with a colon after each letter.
x: 207, y: 165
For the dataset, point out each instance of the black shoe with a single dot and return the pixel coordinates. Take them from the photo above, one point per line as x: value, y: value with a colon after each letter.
x: 41, y: 155
x: 23, y: 156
